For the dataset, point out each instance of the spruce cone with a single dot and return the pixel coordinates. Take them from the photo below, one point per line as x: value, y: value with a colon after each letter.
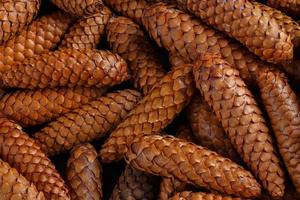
x: 22, y: 153
x: 153, y: 113
x: 84, y: 173
x: 200, y: 196
x: 289, y: 6
x: 33, y: 107
x: 235, y: 107
x: 68, y: 67
x: 168, y: 156
x: 128, y: 40
x: 89, y: 122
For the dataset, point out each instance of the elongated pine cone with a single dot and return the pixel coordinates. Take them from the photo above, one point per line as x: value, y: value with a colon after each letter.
x: 200, y: 196
x: 241, y: 118
x: 15, y: 186
x: 128, y: 40
x: 284, y: 112
x: 15, y: 15
x: 87, y: 31
x: 288, y: 6
x: 89, y: 122
x: 168, y: 156
x: 22, y: 153
x: 84, y: 173
x: 153, y: 113
x: 68, y: 67
x: 134, y: 184
x: 33, y: 107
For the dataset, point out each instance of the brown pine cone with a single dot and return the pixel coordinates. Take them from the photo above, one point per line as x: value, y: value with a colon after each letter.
x: 185, y: 36
x: 33, y: 107
x: 15, y: 15
x: 176, y: 60
x: 15, y: 186
x: 168, y: 156
x: 153, y: 113
x: 241, y: 118
x: 84, y: 173
x: 22, y: 153
x: 200, y: 196
x: 68, y: 67
x: 208, y: 130
x: 87, y: 31
x: 284, y: 112
x: 89, y: 122
x: 134, y: 184
x: 129, y: 41
x: 289, y: 6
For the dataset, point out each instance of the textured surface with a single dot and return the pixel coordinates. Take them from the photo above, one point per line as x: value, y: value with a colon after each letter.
x: 200, y: 196
x: 176, y: 60
x: 29, y: 108
x: 168, y: 156
x: 153, y: 113
x: 128, y: 40
x: 15, y: 15
x: 84, y: 173
x: 289, y: 6
x: 22, y: 153
x: 89, y: 122
x: 14, y: 186
x: 68, y: 67
x: 87, y: 31
x: 241, y: 118
x: 134, y: 184
x: 283, y: 109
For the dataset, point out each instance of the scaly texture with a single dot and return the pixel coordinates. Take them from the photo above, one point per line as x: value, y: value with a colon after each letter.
x: 208, y: 130
x: 288, y: 6
x: 176, y: 60
x: 22, y: 153
x: 134, y: 184
x: 15, y: 15
x: 289, y: 194
x: 68, y: 67
x: 128, y: 40
x: 33, y: 107
x: 200, y: 196
x: 87, y: 31
x: 89, y: 122
x: 189, y: 38
x: 168, y: 156
x: 284, y: 112
x: 14, y: 186
x: 153, y: 113
x: 236, y: 109
x: 84, y: 173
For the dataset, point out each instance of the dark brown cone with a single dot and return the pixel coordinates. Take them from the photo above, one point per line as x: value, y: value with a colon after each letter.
x: 201, y: 196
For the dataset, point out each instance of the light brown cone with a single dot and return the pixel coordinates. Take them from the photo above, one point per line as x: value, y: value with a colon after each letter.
x: 22, y: 153
x: 70, y: 68
x: 89, y: 122
x: 87, y: 32
x: 15, y: 186
x: 200, y: 196
x: 34, y: 107
x: 84, y: 173
x: 283, y: 110
x: 15, y: 15
x: 241, y: 118
x: 128, y: 40
x: 153, y: 113
x: 291, y: 7
x: 169, y: 157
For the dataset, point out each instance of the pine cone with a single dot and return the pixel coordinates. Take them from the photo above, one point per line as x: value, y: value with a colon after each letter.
x: 22, y: 153
x: 14, y: 186
x: 153, y: 113
x: 176, y: 60
x: 168, y: 156
x: 128, y: 40
x: 235, y: 107
x: 200, y: 196
x: 288, y: 6
x: 87, y: 31
x: 89, y: 122
x: 68, y: 67
x: 33, y: 107
x: 84, y: 173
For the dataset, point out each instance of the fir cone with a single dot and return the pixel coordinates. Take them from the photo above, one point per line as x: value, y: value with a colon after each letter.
x: 22, y: 153
x: 68, y: 67
x: 168, y: 156
x: 33, y: 107
x: 84, y: 173
x: 235, y: 107
x: 89, y: 122
x: 289, y: 6
x: 200, y: 196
